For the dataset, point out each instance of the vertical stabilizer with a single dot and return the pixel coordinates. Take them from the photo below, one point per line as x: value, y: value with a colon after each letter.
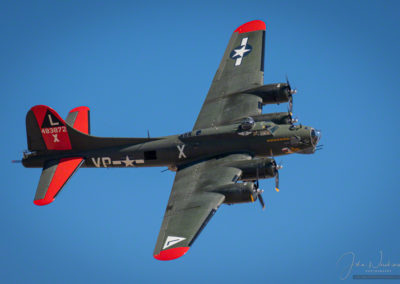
x: 46, y: 130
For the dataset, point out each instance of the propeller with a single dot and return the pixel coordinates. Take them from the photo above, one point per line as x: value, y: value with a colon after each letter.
x: 259, y: 191
x: 260, y: 198
x: 277, y: 167
x: 291, y: 93
x: 277, y: 181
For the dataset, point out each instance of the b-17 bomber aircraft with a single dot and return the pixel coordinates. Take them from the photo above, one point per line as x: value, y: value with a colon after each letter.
x: 231, y: 146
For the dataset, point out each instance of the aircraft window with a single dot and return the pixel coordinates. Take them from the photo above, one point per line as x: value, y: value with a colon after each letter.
x: 150, y: 155
x: 187, y: 134
x: 273, y: 129
x: 198, y: 132
x: 263, y: 132
x: 247, y: 124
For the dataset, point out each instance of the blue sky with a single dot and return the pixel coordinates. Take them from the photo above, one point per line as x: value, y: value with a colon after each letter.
x: 148, y: 65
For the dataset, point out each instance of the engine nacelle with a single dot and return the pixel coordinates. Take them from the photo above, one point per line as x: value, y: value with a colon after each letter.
x: 238, y: 192
x: 256, y: 169
x: 275, y: 117
x: 272, y: 93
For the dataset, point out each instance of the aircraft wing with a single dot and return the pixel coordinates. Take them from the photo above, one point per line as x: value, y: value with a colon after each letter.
x: 192, y: 203
x: 241, y: 68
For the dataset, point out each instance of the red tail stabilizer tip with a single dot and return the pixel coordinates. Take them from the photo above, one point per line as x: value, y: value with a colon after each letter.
x: 252, y: 26
x: 79, y: 118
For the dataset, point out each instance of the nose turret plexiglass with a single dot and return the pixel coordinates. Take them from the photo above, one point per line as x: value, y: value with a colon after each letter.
x: 315, y: 136
x: 247, y: 124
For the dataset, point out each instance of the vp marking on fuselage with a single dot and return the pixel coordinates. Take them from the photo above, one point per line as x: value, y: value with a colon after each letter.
x: 101, y: 161
x: 104, y: 162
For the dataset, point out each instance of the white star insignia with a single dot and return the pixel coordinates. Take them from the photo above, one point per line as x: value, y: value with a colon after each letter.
x: 128, y: 162
x: 240, y: 52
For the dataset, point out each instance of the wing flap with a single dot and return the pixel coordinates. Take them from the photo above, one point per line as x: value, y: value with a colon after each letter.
x: 54, y: 176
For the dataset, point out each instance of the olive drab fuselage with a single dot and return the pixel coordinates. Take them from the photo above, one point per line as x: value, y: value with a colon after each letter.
x: 263, y: 139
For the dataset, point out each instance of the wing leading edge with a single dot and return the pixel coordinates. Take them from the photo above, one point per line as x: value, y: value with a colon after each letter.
x: 192, y: 203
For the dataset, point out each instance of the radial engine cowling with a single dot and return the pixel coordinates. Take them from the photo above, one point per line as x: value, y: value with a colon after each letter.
x: 256, y: 169
x: 275, y: 117
x: 238, y: 192
x: 273, y: 93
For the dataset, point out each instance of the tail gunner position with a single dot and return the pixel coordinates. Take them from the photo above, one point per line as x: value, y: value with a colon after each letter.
x: 230, y: 148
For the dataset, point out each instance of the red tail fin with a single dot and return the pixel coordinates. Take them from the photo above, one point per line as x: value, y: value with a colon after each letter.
x: 79, y: 119
x: 52, y: 128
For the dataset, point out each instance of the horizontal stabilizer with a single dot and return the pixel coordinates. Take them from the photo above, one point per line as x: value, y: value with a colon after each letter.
x: 54, y: 176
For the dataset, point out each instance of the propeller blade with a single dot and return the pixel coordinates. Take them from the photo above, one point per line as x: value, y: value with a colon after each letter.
x: 261, y: 201
x: 291, y: 92
x: 290, y: 110
x: 257, y: 183
x: 277, y: 179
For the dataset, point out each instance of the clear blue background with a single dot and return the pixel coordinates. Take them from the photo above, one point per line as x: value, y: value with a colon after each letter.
x: 148, y: 65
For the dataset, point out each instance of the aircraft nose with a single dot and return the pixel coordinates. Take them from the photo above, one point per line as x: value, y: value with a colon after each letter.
x: 315, y: 136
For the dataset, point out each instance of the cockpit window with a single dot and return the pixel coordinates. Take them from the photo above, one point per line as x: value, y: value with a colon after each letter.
x: 263, y: 132
x: 273, y: 129
x: 184, y: 135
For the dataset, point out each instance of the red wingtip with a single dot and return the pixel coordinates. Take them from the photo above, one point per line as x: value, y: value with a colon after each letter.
x: 170, y: 254
x: 252, y: 26
x: 44, y: 201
